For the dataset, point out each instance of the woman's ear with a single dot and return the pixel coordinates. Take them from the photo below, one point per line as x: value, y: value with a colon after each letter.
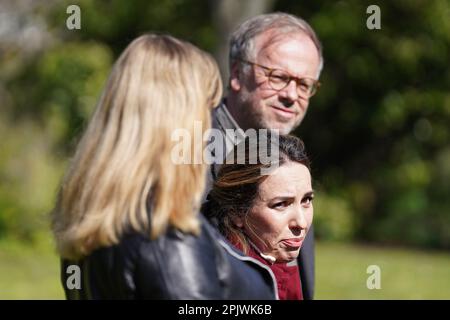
x: 238, y: 221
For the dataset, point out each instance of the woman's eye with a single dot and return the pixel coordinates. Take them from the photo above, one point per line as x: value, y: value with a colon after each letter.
x: 280, y: 204
x: 307, y: 200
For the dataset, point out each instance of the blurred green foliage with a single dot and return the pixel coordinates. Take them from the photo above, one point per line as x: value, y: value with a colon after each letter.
x: 377, y: 131
x: 29, y: 173
x: 62, y: 87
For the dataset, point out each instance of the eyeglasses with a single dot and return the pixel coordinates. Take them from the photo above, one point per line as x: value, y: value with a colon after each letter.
x: 279, y: 79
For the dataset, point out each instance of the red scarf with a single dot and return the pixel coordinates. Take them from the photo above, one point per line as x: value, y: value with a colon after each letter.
x: 288, y: 277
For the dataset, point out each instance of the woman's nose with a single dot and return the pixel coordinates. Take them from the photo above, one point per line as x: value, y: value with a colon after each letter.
x: 299, y: 218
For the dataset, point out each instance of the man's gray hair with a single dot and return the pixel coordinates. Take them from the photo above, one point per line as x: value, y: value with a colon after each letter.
x: 242, y: 41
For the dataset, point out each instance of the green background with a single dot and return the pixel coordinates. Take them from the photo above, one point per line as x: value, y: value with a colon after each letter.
x: 377, y: 132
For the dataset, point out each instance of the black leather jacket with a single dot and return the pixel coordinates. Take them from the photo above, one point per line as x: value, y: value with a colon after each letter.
x: 174, y: 266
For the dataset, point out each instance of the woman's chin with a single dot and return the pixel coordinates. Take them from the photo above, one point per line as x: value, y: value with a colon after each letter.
x: 288, y: 257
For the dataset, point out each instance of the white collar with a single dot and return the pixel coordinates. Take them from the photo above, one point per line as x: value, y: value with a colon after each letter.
x: 266, y: 257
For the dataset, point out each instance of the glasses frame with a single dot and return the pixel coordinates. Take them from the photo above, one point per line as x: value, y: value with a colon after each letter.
x: 297, y: 80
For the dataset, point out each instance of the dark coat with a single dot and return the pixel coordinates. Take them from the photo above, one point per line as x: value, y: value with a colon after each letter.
x: 174, y: 266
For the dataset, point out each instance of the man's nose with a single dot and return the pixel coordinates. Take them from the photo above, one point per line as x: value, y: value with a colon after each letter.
x: 290, y: 92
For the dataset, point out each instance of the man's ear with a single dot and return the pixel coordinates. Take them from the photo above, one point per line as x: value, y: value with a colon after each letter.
x: 235, y: 81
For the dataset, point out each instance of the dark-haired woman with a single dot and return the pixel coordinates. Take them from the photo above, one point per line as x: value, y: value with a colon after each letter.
x: 267, y: 215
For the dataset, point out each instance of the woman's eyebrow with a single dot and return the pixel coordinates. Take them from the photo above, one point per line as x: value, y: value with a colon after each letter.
x: 309, y: 193
x: 290, y: 196
x: 283, y: 197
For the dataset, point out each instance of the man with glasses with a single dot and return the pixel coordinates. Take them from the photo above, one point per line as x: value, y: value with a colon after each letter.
x: 275, y: 63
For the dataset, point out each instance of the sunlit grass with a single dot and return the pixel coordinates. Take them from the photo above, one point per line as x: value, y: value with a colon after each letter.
x: 33, y: 272
x: 341, y: 273
x: 29, y: 272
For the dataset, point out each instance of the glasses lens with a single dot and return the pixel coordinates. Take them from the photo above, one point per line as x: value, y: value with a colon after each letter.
x: 278, y: 79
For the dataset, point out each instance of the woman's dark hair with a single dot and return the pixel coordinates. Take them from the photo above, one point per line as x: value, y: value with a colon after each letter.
x: 237, y: 184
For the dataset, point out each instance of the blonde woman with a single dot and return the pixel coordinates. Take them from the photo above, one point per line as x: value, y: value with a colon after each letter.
x: 126, y: 219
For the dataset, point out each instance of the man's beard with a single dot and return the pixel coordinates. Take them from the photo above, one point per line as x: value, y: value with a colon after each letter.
x: 251, y: 118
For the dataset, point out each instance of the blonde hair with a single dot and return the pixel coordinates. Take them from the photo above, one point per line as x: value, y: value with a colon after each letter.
x: 122, y: 169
